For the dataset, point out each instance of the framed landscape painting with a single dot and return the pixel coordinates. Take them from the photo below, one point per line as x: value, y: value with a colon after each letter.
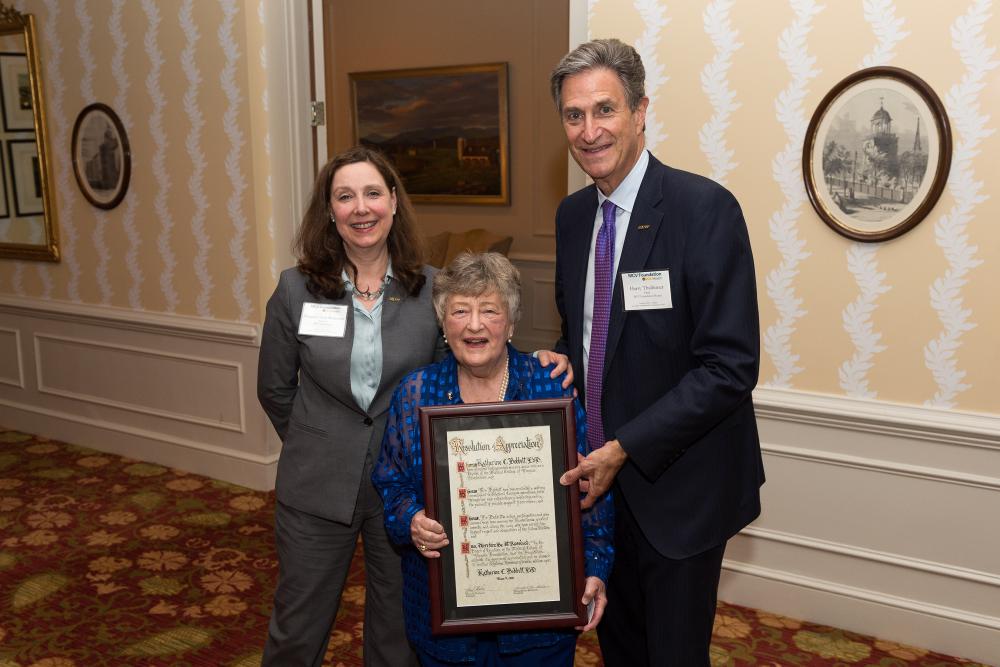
x: 444, y: 129
x: 877, y: 154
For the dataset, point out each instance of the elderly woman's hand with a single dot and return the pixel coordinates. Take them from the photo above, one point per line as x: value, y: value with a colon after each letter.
x: 546, y: 357
x: 594, y: 592
x: 427, y: 535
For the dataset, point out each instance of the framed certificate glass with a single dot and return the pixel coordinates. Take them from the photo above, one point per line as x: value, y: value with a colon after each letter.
x: 491, y: 478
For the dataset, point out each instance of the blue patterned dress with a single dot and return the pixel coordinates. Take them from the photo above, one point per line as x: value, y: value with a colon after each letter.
x: 398, y: 476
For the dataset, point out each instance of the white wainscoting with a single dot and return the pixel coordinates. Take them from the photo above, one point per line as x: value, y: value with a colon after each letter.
x: 175, y: 390
x: 878, y: 518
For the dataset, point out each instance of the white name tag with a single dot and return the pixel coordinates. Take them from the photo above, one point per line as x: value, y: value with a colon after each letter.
x: 323, y: 319
x: 647, y: 290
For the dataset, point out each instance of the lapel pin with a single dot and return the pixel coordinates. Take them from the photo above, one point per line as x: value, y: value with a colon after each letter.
x: 643, y: 227
x: 394, y: 298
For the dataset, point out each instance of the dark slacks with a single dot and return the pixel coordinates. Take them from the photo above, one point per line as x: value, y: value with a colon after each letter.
x: 660, y: 610
x: 314, y: 555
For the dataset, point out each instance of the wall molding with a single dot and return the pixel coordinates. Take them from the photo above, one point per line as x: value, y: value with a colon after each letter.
x: 872, y: 555
x: 238, y: 427
x: 882, y: 466
x: 969, y: 429
x: 19, y: 382
x: 257, y: 459
x: 864, y: 594
x: 178, y: 326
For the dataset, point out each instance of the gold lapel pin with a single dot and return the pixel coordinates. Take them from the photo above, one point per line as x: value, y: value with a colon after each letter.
x: 394, y: 298
x: 643, y: 227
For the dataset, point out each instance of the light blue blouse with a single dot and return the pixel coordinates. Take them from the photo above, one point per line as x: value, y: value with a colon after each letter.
x: 366, y: 352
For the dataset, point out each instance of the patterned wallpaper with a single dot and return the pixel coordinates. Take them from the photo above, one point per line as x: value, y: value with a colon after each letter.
x: 187, y: 78
x: 733, y: 86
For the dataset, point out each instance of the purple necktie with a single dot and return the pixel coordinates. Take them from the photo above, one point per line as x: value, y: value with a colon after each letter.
x: 604, y: 272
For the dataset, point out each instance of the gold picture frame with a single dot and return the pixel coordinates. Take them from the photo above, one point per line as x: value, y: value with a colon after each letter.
x: 31, y: 231
x: 444, y: 128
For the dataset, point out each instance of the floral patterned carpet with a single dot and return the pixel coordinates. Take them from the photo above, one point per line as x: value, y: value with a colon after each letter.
x: 106, y: 560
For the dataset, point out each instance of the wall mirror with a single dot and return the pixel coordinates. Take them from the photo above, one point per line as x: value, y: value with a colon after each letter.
x: 28, y: 227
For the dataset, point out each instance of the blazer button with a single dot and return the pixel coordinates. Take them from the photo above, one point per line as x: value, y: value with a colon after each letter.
x: 368, y: 421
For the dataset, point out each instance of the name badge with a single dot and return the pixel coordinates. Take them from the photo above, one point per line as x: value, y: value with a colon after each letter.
x: 323, y: 319
x: 647, y: 290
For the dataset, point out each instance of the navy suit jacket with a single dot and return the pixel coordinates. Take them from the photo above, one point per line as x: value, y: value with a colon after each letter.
x: 677, y: 381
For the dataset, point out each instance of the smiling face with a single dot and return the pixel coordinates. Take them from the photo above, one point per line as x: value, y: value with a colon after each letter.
x: 477, y: 328
x: 362, y: 205
x: 605, y: 136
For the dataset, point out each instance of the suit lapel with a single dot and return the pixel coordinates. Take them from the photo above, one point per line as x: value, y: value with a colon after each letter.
x: 644, y: 223
x: 578, y: 254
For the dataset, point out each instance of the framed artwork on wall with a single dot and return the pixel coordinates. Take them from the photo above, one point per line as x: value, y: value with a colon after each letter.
x: 877, y: 154
x: 4, y: 200
x: 25, y: 177
x: 102, y: 161
x: 15, y: 93
x: 444, y: 128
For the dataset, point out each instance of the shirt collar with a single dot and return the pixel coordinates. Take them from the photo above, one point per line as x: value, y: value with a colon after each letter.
x: 624, y: 195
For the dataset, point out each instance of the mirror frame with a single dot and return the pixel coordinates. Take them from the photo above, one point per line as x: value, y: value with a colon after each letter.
x: 13, y: 21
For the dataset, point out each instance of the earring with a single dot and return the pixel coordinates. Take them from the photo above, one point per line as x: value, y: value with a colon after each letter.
x: 332, y: 219
x: 445, y: 339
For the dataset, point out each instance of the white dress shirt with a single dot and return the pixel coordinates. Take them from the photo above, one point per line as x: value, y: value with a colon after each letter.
x: 624, y: 199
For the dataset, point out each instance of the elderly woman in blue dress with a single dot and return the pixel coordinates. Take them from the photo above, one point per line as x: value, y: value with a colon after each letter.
x: 477, y: 301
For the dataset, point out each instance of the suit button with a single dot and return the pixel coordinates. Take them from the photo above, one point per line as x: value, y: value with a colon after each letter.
x: 368, y: 421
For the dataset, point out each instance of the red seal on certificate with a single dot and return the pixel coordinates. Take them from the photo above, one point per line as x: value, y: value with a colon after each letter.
x: 463, y: 521
x: 461, y: 493
x: 460, y: 466
x: 465, y: 548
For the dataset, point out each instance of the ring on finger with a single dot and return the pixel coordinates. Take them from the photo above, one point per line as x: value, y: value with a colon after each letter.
x: 423, y: 547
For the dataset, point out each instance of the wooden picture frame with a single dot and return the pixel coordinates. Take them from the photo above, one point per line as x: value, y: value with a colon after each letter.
x: 102, y: 160
x: 25, y: 177
x: 503, y: 571
x: 877, y: 154
x: 4, y: 198
x: 444, y: 128
x: 15, y: 93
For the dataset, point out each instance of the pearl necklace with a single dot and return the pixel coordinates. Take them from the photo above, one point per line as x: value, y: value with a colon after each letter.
x: 503, y: 384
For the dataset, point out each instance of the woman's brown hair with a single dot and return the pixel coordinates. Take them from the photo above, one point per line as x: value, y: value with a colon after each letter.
x: 320, y: 250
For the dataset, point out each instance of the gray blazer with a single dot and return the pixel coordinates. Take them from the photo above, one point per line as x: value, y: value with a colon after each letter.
x: 304, y: 386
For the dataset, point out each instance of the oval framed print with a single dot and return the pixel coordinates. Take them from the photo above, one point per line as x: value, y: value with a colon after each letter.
x: 877, y: 154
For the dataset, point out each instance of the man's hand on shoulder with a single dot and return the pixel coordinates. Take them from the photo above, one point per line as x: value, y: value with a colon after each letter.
x: 600, y: 468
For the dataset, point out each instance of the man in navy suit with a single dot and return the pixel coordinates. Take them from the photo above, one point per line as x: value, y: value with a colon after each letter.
x: 655, y: 287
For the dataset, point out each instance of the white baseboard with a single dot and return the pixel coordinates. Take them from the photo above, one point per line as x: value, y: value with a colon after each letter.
x: 944, y: 630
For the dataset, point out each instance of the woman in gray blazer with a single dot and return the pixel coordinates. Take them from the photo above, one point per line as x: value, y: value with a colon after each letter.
x: 341, y: 330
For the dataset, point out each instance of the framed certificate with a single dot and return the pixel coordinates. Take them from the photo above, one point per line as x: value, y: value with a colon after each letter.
x: 491, y: 478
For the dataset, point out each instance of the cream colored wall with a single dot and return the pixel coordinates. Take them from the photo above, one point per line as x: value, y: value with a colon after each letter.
x: 187, y: 79
x: 770, y: 64
x: 530, y: 35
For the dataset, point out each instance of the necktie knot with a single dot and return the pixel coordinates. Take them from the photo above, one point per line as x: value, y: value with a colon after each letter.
x: 608, y: 209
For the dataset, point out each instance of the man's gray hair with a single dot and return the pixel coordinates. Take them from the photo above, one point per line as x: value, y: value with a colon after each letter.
x: 612, y: 54
x: 475, y: 274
